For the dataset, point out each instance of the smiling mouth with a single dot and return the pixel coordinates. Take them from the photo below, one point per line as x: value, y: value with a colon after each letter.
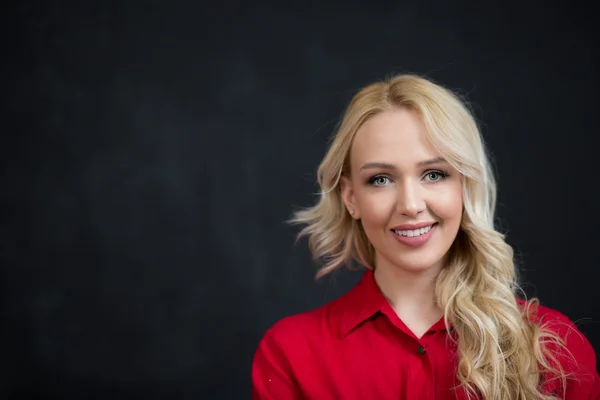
x: 414, y: 232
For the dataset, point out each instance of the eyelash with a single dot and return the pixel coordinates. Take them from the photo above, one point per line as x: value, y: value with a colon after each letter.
x: 443, y: 176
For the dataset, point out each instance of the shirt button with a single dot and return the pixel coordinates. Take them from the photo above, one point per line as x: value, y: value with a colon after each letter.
x: 421, y: 350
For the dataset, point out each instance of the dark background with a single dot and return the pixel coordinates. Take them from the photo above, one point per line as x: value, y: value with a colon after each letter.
x: 151, y: 152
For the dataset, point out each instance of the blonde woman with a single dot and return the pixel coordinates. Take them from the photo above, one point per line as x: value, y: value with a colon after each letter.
x: 408, y: 194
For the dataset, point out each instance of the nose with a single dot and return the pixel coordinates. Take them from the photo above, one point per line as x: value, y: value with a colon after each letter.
x: 410, y: 200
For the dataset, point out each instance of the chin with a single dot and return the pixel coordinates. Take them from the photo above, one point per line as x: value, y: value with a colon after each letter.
x: 415, y: 267
x: 416, y: 264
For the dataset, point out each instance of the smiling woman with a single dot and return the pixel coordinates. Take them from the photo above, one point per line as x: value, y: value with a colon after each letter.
x: 409, y: 194
x: 403, y: 192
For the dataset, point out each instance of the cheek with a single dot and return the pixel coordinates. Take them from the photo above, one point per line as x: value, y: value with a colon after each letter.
x: 375, y: 209
x: 448, y: 205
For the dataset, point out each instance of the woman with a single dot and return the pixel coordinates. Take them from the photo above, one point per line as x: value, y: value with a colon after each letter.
x: 409, y: 194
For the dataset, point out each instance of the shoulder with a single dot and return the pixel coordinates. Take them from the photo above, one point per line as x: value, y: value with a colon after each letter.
x: 574, y: 351
x: 285, y: 347
x: 554, y: 321
x: 292, y: 327
x: 288, y: 348
x: 304, y: 332
x: 295, y: 330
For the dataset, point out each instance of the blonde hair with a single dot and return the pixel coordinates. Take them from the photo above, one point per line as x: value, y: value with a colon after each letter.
x: 502, y: 353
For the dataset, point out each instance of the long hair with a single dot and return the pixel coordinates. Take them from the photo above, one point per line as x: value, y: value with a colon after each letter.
x: 503, y: 354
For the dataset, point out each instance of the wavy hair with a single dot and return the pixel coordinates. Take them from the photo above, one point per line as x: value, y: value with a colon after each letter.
x: 503, y: 354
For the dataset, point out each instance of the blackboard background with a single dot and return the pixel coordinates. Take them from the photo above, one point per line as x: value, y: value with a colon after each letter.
x: 151, y: 152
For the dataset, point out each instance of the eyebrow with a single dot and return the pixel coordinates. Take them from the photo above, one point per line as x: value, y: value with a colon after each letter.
x: 380, y: 165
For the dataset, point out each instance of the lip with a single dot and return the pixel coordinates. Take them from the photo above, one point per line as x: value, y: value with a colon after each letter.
x: 412, y: 227
x: 415, y: 241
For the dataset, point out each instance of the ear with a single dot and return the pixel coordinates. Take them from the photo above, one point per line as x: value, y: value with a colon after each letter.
x: 348, y: 197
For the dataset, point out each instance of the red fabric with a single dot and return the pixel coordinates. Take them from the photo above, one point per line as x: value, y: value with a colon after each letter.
x: 356, y: 347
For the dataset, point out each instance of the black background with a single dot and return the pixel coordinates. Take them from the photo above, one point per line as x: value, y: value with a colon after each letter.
x: 151, y: 152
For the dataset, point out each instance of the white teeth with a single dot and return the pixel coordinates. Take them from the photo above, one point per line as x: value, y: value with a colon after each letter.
x: 413, y: 233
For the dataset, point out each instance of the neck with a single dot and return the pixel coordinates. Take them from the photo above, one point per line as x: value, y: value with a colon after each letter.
x: 408, y: 290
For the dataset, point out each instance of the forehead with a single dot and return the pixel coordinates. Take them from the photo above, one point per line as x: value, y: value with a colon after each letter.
x: 396, y: 136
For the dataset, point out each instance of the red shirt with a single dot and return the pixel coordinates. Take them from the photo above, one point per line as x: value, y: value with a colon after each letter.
x: 356, y: 348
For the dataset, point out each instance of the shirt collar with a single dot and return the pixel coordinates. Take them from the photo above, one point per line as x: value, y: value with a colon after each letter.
x: 366, y: 300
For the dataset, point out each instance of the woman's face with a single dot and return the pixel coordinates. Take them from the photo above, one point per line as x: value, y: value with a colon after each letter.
x: 408, y: 199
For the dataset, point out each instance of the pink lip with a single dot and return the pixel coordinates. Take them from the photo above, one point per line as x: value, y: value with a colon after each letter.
x: 414, y: 241
x: 411, y: 227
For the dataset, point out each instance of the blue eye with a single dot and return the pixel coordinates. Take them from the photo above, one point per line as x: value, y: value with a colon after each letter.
x: 378, y: 180
x: 434, y: 176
